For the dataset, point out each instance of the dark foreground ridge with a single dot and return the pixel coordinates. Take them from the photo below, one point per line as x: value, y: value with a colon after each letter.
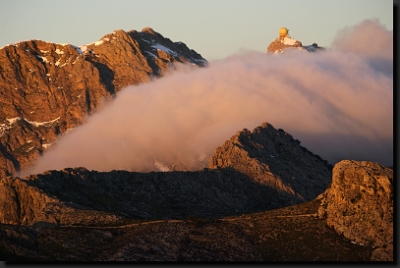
x: 228, y: 212
x: 240, y: 180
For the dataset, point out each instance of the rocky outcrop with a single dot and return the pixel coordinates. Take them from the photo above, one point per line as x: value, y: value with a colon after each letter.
x: 160, y: 51
x: 359, y: 205
x: 282, y: 43
x: 273, y: 157
x: 46, y: 89
x: 24, y: 204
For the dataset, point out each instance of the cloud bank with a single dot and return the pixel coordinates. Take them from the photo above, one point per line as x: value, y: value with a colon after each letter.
x: 338, y: 103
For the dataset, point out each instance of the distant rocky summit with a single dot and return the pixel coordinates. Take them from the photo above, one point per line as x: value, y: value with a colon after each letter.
x: 46, y: 89
x: 359, y: 205
x: 284, y: 41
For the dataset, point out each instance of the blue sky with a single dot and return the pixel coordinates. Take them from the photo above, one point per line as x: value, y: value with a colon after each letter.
x: 214, y: 28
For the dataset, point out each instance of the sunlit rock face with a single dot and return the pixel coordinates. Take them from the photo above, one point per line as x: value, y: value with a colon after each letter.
x: 284, y: 42
x: 273, y: 157
x: 359, y: 205
x: 281, y: 43
x: 48, y: 89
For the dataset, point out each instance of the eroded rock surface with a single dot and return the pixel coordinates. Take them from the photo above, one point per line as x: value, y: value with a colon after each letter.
x: 359, y: 205
x: 273, y: 157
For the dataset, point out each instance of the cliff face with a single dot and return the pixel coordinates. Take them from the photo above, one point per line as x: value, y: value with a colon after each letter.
x: 47, y: 89
x: 272, y: 157
x: 359, y: 205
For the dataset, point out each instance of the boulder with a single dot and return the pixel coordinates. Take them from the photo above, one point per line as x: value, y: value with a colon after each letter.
x: 359, y: 205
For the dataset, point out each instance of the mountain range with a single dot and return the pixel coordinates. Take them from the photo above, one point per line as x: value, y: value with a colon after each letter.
x: 263, y: 196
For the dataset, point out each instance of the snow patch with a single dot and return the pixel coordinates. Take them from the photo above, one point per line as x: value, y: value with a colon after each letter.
x: 289, y: 41
x: 199, y: 60
x: 84, y: 49
x: 3, y: 128
x: 151, y: 54
x: 30, y: 149
x: 95, y: 43
x: 44, y: 59
x: 77, y: 58
x: 77, y: 49
x: 12, y: 121
x: 46, y: 145
x: 98, y: 42
x: 46, y: 124
x: 165, y: 49
x: 59, y: 51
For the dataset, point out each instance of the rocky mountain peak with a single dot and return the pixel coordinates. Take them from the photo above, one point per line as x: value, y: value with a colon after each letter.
x: 148, y: 30
x: 48, y: 89
x: 273, y: 157
x: 284, y: 41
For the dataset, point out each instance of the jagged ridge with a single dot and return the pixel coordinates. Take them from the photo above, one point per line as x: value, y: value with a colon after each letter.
x: 41, y: 82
